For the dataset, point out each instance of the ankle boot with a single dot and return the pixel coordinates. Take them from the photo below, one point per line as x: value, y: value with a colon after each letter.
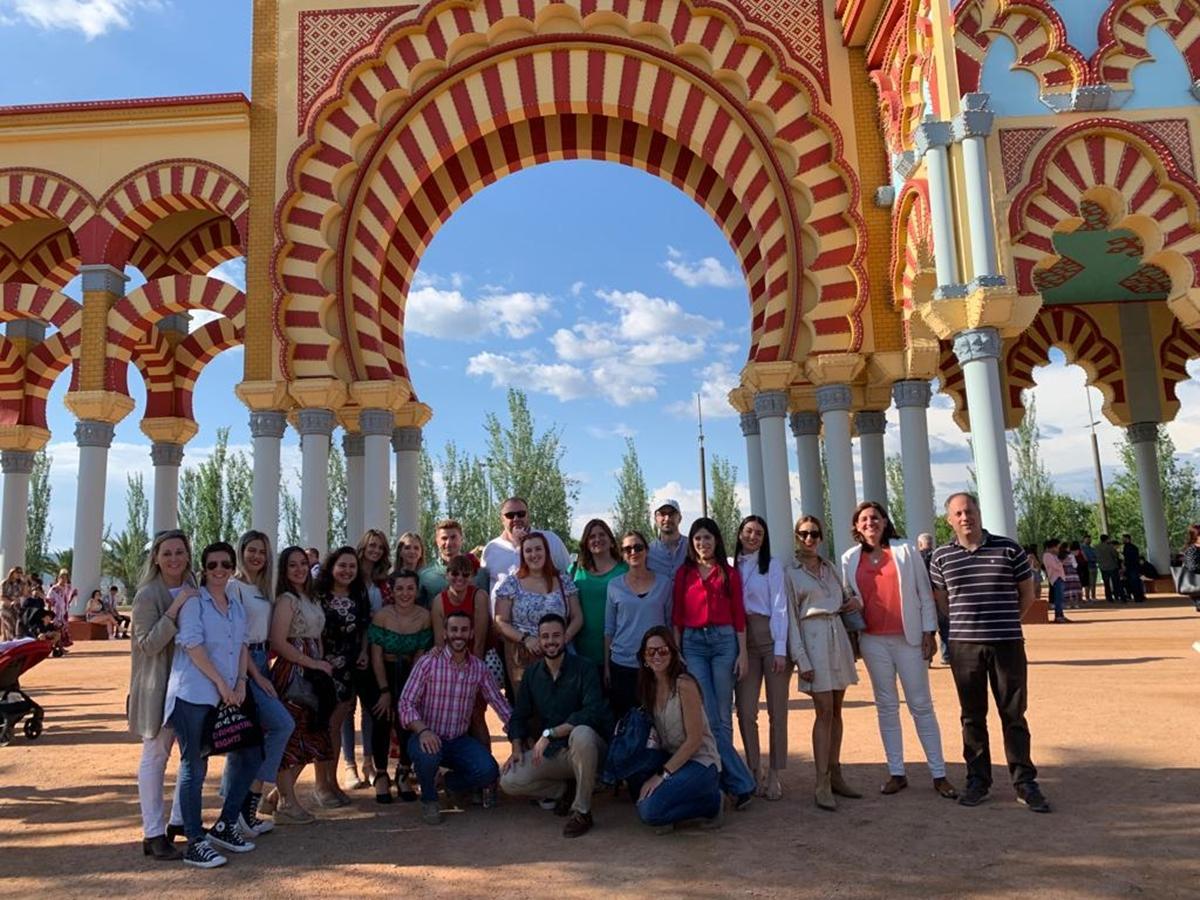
x: 824, y: 793
x: 838, y: 783
x: 160, y: 848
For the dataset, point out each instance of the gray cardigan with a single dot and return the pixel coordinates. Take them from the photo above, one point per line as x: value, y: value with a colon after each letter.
x: 152, y: 649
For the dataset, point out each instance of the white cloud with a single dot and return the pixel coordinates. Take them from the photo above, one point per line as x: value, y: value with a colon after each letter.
x: 231, y: 271
x: 585, y: 341
x: 560, y: 380
x: 448, y: 314
x: 518, y: 314
x: 643, y: 317
x: 717, y: 380
x: 665, y: 350
x: 708, y: 272
x: 624, y: 384
x: 619, y: 430
x: 93, y: 18
x: 577, y: 288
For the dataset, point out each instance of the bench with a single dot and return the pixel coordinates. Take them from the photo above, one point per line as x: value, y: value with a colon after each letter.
x: 82, y: 630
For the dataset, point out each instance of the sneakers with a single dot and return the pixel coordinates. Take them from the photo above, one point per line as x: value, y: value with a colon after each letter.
x: 202, y: 855
x: 230, y: 837
x: 973, y: 795
x: 248, y: 818
x: 431, y: 812
x: 1030, y: 796
x: 578, y: 824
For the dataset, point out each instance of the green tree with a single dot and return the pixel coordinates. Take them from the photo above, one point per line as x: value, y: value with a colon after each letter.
x: 1180, y: 493
x: 124, y: 554
x: 214, y: 496
x: 894, y: 470
x: 632, y: 508
x: 37, y: 542
x: 335, y: 534
x: 289, y: 514
x: 431, y: 506
x: 723, y: 507
x: 1042, y: 511
x: 469, y: 498
x: 523, y: 463
x: 59, y: 560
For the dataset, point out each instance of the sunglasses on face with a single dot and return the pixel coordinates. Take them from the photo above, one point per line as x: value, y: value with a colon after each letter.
x: 459, y: 574
x: 809, y: 535
x: 516, y: 514
x: 633, y: 548
x: 652, y: 652
x: 213, y: 564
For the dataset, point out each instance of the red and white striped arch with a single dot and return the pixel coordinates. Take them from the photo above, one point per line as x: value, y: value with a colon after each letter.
x: 197, y: 252
x: 1038, y: 32
x: 45, y: 361
x: 424, y: 120
x: 1123, y: 32
x: 1181, y: 346
x: 152, y: 193
x: 35, y: 193
x: 195, y: 352
x: 912, y: 241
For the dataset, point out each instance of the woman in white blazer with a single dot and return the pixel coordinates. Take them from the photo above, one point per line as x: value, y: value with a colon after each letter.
x: 890, y: 578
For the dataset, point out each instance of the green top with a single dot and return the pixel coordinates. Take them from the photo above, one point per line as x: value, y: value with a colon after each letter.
x: 593, y: 599
x: 396, y: 644
x: 434, y: 581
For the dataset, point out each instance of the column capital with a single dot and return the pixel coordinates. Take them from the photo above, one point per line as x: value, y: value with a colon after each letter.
x: 99, y: 406
x: 169, y: 429
x: 771, y: 404
x: 749, y: 424
x: 975, y: 120
x: 932, y: 133
x: 268, y: 423
x: 376, y: 421
x: 353, y: 444
x: 93, y: 433
x: 805, y: 423
x: 833, y: 398
x: 911, y: 393
x: 977, y: 343
x: 870, y: 421
x: 315, y: 421
x: 164, y: 453
x: 103, y: 278
x: 16, y: 462
x: 1142, y: 432
x: 406, y: 438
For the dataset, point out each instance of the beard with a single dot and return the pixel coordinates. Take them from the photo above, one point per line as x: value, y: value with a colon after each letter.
x: 458, y: 645
x: 546, y: 654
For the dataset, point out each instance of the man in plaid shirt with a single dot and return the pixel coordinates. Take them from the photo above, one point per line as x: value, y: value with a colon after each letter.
x: 436, y: 706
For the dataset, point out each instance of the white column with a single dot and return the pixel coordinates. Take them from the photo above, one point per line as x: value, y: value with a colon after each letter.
x: 932, y: 142
x: 352, y: 449
x: 17, y: 466
x: 771, y: 407
x: 806, y: 428
x: 912, y: 402
x: 871, y: 425
x: 754, y: 464
x: 1143, y: 438
x: 316, y: 428
x: 266, y: 430
x: 971, y: 127
x: 377, y: 426
x: 167, y: 458
x: 978, y: 352
x: 833, y: 400
x: 94, y: 438
x: 406, y: 442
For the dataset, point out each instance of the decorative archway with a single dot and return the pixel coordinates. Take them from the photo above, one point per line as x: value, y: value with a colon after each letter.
x: 471, y: 92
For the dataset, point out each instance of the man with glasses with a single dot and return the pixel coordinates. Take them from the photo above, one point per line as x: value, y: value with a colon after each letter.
x: 501, y: 555
x: 668, y: 552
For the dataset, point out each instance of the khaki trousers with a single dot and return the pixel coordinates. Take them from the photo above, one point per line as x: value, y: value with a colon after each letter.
x: 760, y: 652
x: 580, y: 761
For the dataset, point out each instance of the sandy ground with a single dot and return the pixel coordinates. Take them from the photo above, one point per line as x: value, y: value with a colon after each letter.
x: 1115, y: 717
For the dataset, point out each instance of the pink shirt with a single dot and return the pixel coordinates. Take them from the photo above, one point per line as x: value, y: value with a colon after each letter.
x: 879, y: 588
x: 442, y: 693
x: 1054, y: 568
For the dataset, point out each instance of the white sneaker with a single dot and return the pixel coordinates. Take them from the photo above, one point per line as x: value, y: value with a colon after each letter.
x: 202, y: 855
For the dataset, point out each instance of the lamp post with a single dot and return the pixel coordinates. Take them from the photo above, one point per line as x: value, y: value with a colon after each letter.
x: 1096, y: 463
x: 703, y: 475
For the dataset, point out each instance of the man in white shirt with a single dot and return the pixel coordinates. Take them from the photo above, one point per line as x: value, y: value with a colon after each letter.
x: 500, y: 556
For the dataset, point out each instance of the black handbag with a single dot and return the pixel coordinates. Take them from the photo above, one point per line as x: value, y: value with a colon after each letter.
x: 229, y: 728
x: 300, y: 692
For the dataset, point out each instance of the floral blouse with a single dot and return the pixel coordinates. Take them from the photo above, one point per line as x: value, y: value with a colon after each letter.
x: 528, y: 607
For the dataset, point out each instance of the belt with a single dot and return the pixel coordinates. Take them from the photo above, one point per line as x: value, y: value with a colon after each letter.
x: 261, y: 645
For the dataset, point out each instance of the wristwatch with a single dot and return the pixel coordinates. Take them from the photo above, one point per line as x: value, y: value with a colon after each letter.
x: 548, y: 734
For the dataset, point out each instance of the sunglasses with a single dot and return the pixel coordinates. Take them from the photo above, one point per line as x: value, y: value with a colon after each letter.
x: 458, y: 574
x: 809, y: 535
x: 633, y: 548
x: 652, y: 652
x: 516, y: 514
x: 213, y: 564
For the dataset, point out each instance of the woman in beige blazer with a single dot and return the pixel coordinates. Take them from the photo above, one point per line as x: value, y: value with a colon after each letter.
x: 166, y: 585
x: 889, y: 577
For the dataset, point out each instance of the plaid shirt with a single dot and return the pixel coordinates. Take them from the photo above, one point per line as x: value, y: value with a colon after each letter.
x: 441, y: 693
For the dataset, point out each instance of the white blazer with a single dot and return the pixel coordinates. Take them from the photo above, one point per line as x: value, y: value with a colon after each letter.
x: 916, y: 593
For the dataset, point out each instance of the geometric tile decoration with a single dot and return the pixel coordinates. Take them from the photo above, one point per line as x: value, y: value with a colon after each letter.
x: 1015, y: 146
x: 1175, y: 134
x: 800, y: 24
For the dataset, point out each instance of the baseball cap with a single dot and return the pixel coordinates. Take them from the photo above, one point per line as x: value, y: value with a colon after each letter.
x: 674, y: 504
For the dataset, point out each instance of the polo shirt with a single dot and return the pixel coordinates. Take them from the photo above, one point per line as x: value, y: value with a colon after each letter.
x: 985, y: 605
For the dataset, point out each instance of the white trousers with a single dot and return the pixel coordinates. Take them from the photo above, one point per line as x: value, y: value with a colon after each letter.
x: 152, y: 772
x: 889, y: 656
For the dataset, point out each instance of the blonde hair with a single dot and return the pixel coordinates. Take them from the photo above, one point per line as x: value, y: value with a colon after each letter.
x: 151, y: 571
x: 263, y: 580
x: 407, y: 538
x: 379, y: 570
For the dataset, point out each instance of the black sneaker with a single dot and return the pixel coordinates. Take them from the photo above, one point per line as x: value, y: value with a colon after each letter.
x: 743, y: 800
x: 202, y: 855
x: 248, y: 818
x: 1030, y: 795
x: 973, y: 795
x: 229, y: 837
x: 175, y: 831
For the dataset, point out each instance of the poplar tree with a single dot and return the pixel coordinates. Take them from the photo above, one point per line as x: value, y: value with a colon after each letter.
x: 469, y: 498
x: 723, y: 505
x: 124, y: 554
x: 37, y: 546
x: 632, y: 508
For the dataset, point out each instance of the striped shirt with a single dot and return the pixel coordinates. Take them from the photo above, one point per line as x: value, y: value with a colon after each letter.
x: 982, y: 586
x: 442, y: 693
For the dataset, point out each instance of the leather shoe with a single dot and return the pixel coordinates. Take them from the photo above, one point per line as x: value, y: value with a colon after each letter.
x: 945, y: 788
x: 578, y: 824
x: 160, y: 848
x: 894, y: 785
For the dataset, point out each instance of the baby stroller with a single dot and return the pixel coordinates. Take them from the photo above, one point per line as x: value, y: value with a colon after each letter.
x: 17, y: 658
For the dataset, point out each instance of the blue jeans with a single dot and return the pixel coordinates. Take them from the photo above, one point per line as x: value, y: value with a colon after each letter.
x: 277, y: 725
x: 692, y: 792
x: 710, y: 654
x: 1058, y: 593
x: 471, y: 766
x: 188, y: 721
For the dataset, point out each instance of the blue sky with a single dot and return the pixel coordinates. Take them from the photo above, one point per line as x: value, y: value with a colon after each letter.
x: 604, y: 292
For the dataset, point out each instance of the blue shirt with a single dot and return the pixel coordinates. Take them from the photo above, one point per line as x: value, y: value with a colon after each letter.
x: 627, y: 617
x: 663, y: 560
x: 222, y: 636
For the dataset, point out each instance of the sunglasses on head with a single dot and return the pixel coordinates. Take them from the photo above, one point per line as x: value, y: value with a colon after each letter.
x: 808, y: 535
x: 214, y: 564
x: 516, y: 514
x: 633, y: 548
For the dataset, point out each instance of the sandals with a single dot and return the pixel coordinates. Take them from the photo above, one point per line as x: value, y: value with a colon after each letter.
x: 894, y: 785
x: 386, y: 796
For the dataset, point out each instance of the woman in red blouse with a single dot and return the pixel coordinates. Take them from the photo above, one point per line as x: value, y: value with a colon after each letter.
x: 710, y: 620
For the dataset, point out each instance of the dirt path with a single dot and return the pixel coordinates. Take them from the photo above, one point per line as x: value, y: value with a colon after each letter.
x: 1115, y: 717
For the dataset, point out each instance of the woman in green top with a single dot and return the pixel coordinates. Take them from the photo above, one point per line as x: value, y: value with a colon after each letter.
x: 398, y: 635
x: 599, y: 563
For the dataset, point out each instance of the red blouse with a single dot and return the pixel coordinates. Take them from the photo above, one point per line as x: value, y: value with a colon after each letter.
x: 700, y: 602
x: 879, y: 588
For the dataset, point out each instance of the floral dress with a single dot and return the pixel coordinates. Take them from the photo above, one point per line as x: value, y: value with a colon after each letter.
x: 346, y: 621
x: 528, y: 607
x: 1072, y: 586
x: 310, y: 741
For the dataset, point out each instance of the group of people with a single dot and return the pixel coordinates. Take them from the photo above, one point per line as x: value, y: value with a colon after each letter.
x: 28, y: 611
x: 1072, y: 571
x: 675, y: 630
